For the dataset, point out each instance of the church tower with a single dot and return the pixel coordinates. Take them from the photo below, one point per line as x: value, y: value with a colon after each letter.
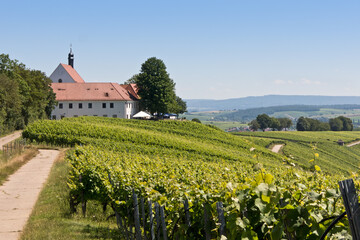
x: 71, y: 58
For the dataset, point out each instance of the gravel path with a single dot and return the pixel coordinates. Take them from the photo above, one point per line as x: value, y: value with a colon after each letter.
x: 9, y: 138
x: 353, y: 144
x: 276, y: 148
x: 19, y: 194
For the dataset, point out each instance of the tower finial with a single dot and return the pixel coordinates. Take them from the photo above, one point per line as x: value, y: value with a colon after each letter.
x: 71, y: 57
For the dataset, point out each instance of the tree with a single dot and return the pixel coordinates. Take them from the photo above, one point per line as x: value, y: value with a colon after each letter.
x: 347, y: 123
x: 275, y: 124
x: 302, y: 124
x: 285, y: 123
x: 132, y: 79
x: 156, y: 89
x: 264, y: 121
x: 310, y: 124
x: 25, y: 94
x: 335, y: 124
x: 341, y: 123
x: 196, y: 120
x: 254, y: 125
x: 179, y: 107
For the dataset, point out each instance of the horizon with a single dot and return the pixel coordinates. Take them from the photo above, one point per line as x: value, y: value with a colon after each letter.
x: 212, y: 50
x: 300, y: 95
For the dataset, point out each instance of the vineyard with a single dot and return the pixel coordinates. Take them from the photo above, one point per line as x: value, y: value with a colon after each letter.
x: 301, y: 146
x: 264, y: 195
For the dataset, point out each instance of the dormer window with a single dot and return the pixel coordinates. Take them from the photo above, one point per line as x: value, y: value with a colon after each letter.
x: 106, y: 94
x: 60, y: 80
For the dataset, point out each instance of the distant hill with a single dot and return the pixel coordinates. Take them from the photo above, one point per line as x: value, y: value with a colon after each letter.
x: 267, y: 101
x: 289, y: 111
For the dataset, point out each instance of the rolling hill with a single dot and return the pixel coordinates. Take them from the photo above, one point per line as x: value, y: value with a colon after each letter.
x: 267, y: 101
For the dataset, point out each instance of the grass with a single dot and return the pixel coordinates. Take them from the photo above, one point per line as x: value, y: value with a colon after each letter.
x: 10, y: 165
x: 51, y: 217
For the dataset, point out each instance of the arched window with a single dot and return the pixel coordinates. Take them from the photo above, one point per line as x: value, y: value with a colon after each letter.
x: 60, y: 80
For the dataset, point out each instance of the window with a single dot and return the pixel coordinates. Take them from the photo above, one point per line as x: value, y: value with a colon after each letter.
x: 62, y: 116
x: 114, y: 116
x: 60, y: 106
x: 90, y: 105
x: 75, y: 115
x: 111, y: 105
x: 104, y: 105
x: 60, y: 80
x: 53, y: 117
x: 104, y: 115
x: 70, y: 105
x: 80, y: 105
x: 95, y: 115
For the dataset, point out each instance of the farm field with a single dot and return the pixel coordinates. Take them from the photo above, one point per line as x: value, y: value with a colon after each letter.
x: 171, y: 161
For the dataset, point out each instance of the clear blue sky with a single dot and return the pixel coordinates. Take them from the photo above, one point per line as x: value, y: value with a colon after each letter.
x: 212, y: 49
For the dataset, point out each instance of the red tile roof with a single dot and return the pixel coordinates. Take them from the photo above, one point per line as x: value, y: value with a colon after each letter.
x: 132, y: 88
x: 92, y: 92
x: 73, y: 73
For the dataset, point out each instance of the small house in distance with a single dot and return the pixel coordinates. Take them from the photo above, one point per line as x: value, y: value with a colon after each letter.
x: 77, y: 98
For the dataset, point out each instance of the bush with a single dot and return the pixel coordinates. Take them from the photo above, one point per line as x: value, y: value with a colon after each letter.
x: 196, y: 120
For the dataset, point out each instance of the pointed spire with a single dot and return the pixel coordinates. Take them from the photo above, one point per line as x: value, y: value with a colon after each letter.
x: 71, y: 57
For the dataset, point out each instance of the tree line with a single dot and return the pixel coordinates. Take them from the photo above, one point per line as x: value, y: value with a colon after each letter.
x: 340, y: 123
x: 263, y: 122
x: 25, y: 95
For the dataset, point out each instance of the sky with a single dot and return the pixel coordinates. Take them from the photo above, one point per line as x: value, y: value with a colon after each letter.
x: 212, y: 49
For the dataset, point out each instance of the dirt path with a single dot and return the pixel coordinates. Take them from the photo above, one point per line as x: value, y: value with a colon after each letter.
x: 276, y: 148
x: 353, y: 144
x: 9, y: 138
x: 19, y: 194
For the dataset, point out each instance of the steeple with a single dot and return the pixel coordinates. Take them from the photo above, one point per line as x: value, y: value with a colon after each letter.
x: 71, y: 58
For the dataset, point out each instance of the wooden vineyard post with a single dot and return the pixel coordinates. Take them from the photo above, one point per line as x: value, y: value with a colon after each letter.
x: 220, y: 211
x: 162, y: 216
x: 351, y: 203
x: 207, y: 222
x: 143, y: 216
x: 83, y: 202
x: 187, y: 214
x: 152, y: 237
x: 136, y: 216
x: 157, y: 216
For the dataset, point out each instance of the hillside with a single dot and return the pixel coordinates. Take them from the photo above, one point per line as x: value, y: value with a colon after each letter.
x: 170, y: 161
x: 267, y: 101
x: 292, y: 112
x: 299, y: 148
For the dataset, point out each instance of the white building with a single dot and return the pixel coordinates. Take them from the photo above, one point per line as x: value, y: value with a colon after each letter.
x: 78, y: 98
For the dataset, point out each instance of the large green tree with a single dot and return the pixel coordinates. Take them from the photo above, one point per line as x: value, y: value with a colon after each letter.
x: 157, y: 89
x: 285, y: 123
x: 25, y: 94
x: 341, y: 123
x: 264, y: 121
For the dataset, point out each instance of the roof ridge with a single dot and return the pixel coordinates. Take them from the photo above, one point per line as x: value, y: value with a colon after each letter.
x: 112, y: 84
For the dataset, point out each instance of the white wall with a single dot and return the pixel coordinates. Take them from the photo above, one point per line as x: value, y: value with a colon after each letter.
x: 122, y: 109
x: 61, y: 73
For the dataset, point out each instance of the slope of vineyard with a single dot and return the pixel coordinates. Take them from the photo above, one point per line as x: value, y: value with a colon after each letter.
x: 170, y: 161
x: 301, y: 146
